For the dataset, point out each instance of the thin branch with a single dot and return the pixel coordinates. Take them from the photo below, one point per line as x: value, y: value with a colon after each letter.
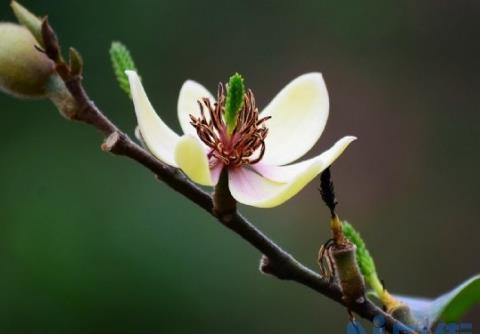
x: 76, y: 105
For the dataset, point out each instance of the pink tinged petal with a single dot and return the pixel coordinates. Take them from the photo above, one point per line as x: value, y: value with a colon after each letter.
x: 289, y: 172
x: 192, y: 160
x: 251, y: 188
x: 159, y: 138
x: 187, y: 105
x: 299, y: 114
x: 216, y: 171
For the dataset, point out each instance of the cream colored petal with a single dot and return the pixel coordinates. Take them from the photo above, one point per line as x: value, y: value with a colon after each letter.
x: 159, y: 138
x: 280, y: 183
x: 299, y: 114
x: 187, y: 105
x: 192, y: 159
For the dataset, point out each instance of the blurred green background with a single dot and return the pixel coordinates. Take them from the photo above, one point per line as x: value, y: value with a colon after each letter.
x: 91, y: 243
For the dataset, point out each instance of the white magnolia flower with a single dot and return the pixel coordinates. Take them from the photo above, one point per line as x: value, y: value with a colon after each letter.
x: 260, y: 151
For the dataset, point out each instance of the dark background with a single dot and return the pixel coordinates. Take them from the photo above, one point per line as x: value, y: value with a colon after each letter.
x: 91, y: 243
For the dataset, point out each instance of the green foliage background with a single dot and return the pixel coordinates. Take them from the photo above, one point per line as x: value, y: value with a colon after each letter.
x: 91, y: 243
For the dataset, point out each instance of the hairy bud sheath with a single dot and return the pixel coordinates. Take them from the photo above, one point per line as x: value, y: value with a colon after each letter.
x: 24, y: 71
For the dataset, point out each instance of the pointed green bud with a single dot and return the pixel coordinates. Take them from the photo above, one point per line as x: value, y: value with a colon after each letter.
x: 29, y: 20
x: 365, y: 260
x: 24, y: 70
x: 234, y: 101
x: 121, y: 62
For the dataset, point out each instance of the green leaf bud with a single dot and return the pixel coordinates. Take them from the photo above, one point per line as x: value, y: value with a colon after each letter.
x: 121, y: 62
x: 365, y: 260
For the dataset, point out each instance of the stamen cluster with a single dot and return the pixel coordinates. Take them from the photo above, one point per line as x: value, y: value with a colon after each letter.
x: 245, y: 145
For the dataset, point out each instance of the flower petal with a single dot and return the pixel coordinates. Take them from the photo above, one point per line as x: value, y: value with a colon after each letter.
x: 278, y: 184
x: 289, y: 172
x: 159, y: 138
x: 191, y: 158
x: 187, y: 105
x: 299, y: 114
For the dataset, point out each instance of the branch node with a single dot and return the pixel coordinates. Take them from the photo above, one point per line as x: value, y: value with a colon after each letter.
x: 264, y: 264
x: 278, y: 269
x: 112, y: 143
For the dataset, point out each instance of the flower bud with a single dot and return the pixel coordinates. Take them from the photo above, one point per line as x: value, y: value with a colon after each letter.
x: 24, y: 70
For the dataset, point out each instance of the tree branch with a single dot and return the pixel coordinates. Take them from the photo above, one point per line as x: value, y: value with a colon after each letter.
x: 73, y: 102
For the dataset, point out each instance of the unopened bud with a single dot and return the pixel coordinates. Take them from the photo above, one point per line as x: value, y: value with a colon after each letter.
x: 24, y: 70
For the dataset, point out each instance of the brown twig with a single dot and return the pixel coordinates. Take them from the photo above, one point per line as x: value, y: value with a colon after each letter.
x: 76, y: 105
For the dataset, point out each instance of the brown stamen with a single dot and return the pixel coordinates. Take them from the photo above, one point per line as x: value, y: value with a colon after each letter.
x: 247, y: 138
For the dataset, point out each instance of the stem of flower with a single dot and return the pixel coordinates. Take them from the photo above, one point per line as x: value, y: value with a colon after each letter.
x: 223, y: 203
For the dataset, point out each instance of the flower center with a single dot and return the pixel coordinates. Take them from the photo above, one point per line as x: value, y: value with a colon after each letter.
x: 245, y: 145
